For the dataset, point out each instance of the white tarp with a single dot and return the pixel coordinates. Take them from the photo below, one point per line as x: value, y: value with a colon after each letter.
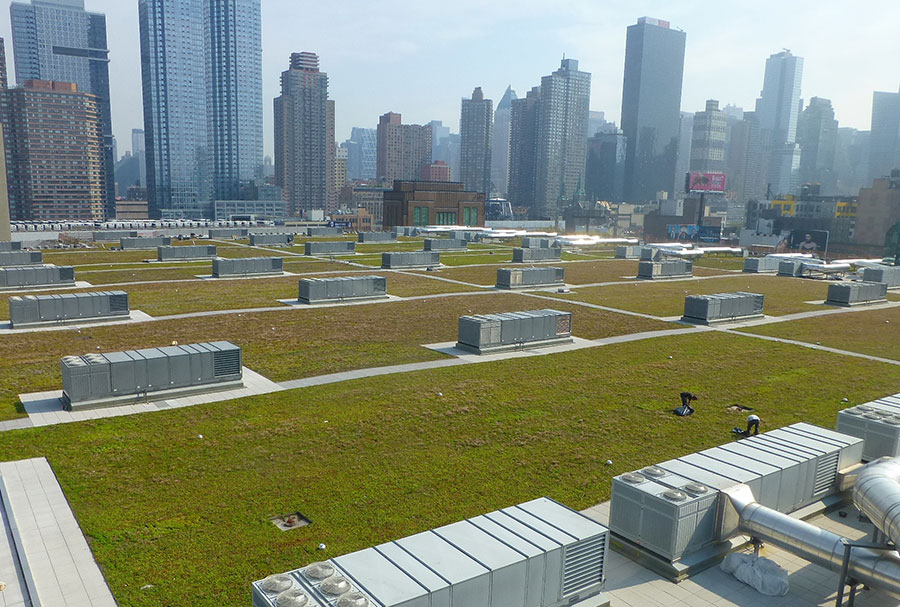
x: 764, y: 575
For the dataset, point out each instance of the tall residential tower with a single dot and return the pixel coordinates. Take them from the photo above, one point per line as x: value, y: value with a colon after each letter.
x: 476, y: 134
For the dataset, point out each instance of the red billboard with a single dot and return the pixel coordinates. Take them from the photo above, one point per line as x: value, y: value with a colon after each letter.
x: 706, y: 182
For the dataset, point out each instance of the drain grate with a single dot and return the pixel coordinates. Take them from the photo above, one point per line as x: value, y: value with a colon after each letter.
x: 290, y: 521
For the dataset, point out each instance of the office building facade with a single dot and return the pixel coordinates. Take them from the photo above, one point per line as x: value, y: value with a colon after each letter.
x: 817, y: 136
x: 651, y: 106
x: 523, y: 149
x: 778, y: 110
x: 500, y: 144
x: 403, y: 149
x: 884, y: 138
x: 362, y: 154
x: 605, y: 170
x: 475, y: 140
x: 708, y: 139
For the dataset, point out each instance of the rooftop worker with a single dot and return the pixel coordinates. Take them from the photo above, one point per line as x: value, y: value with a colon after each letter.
x: 752, y: 427
x: 686, y: 409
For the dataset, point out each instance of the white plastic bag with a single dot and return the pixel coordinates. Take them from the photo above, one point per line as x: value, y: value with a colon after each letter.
x: 764, y: 575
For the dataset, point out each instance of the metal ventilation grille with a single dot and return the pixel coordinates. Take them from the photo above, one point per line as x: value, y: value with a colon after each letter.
x: 584, y: 565
x: 118, y: 303
x: 227, y: 363
x: 826, y: 470
x: 67, y: 273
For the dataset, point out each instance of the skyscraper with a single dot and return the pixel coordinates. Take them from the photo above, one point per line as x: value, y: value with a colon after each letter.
x: 851, y: 160
x: 884, y: 138
x: 683, y: 156
x: 523, y: 148
x: 53, y: 136
x: 201, y: 64
x: 605, y: 170
x: 58, y: 40
x: 777, y: 110
x: 445, y: 146
x: 362, y: 153
x: 563, y: 113
x: 476, y: 135
x: 403, y: 149
x: 746, y: 167
x: 303, y: 132
x: 5, y: 234
x: 4, y: 78
x: 500, y: 144
x: 708, y: 139
x: 139, y: 151
x: 817, y: 136
x: 651, y: 106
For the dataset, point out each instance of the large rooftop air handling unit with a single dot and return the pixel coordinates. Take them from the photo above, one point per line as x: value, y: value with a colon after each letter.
x: 790, y: 267
x: 722, y: 307
x: 413, y: 259
x: 877, y: 423
x: 247, y: 266
x: 41, y: 310
x: 185, y: 252
x: 890, y: 275
x: 534, y: 242
x: 374, y: 237
x: 271, y: 240
x: 537, y: 554
x: 762, y: 265
x: 104, y: 380
x: 338, y: 247
x: 521, y: 278
x: 500, y: 332
x: 135, y: 244
x: 6, y: 245
x: 23, y: 277
x: 318, y: 232
x: 21, y: 258
x: 848, y: 294
x: 521, y: 255
x: 106, y: 235
x: 228, y: 232
x: 629, y: 252
x: 352, y: 288
x: 661, y: 270
x: 670, y: 510
x: 445, y: 244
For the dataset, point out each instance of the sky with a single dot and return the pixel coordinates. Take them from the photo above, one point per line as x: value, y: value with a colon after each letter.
x: 420, y: 58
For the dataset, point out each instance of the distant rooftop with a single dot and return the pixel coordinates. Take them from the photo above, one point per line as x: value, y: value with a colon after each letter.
x: 653, y: 21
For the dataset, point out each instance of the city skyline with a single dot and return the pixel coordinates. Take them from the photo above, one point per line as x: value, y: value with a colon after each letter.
x: 595, y: 35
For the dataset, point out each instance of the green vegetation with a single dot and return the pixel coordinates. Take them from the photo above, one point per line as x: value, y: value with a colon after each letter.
x: 377, y: 459
x: 720, y: 263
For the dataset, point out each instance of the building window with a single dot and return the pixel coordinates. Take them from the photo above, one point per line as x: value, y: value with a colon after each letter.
x: 420, y: 216
x: 446, y: 219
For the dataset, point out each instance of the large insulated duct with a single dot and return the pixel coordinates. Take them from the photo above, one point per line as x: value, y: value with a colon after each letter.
x: 741, y: 514
x: 877, y: 495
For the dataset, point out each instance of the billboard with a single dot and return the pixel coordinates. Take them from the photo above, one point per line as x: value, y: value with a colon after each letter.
x: 809, y: 241
x: 693, y: 233
x: 705, y: 182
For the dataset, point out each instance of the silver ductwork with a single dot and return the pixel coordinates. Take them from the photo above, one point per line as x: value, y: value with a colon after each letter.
x: 877, y: 495
x: 741, y: 514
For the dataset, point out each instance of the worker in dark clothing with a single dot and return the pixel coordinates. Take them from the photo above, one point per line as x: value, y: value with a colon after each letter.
x: 752, y: 427
x: 686, y: 409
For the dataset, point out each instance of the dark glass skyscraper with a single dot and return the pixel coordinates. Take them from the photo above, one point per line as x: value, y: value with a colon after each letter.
x: 58, y: 40
x: 651, y: 106
x: 778, y: 110
x: 884, y: 140
x: 201, y: 64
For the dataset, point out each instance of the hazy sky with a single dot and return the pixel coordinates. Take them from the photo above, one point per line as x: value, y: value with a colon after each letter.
x: 420, y: 58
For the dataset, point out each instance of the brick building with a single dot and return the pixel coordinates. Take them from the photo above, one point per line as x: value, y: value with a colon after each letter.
x: 422, y: 203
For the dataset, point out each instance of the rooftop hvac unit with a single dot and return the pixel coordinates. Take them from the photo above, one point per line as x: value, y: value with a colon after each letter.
x: 657, y: 270
x: 21, y: 258
x: 102, y: 380
x: 628, y: 252
x: 762, y: 265
x: 790, y: 267
x: 321, y: 290
x: 467, y: 235
x: 538, y: 554
x: 414, y: 259
x: 521, y: 255
x: 37, y: 310
x: 445, y: 244
x: 878, y: 426
x: 228, y: 232
x: 890, y: 275
x: 315, y: 232
x: 21, y: 277
x: 786, y: 469
x: 650, y: 254
x: 856, y: 293
x: 182, y: 253
x: 107, y: 235
x: 499, y: 332
x: 370, y: 237
x: 407, y: 231
x: 6, y: 245
x: 270, y: 239
x: 541, y: 276
x: 340, y: 247
x: 707, y: 309
x: 133, y: 244
x: 247, y: 266
x: 532, y: 242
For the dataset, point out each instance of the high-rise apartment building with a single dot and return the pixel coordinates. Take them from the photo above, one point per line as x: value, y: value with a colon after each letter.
x: 445, y: 146
x: 884, y: 140
x: 476, y: 136
x: 4, y: 76
x: 340, y: 172
x: 651, y: 107
x: 817, y: 136
x: 708, y: 139
x: 304, y: 136
x: 58, y: 40
x: 5, y: 230
x: 523, y: 149
x: 500, y: 144
x: 201, y: 67
x: 746, y: 167
x: 362, y: 153
x: 55, y: 161
x: 777, y: 110
x: 403, y: 149
x: 562, y: 138
x: 436, y: 171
